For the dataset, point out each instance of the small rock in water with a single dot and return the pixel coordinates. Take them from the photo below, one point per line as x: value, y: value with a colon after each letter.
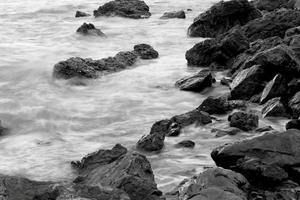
x: 89, y: 29
x: 145, y: 51
x: 175, y: 14
x: 244, y: 121
x: 81, y: 14
x: 197, y: 82
x: 226, y: 81
x: 227, y: 131
x: 185, y: 144
x: 274, y: 108
x: 293, y: 124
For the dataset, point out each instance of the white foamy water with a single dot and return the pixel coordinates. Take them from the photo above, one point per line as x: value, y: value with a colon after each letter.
x: 53, y: 123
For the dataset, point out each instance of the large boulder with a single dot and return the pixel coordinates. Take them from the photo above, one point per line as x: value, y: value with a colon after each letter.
x: 247, y: 83
x: 221, y: 17
x: 274, y: 108
x: 266, y: 160
x: 244, y: 121
x: 271, y: 5
x: 213, y: 184
x: 89, y: 29
x: 272, y: 24
x: 277, y: 87
x: 197, y: 82
x: 135, y: 9
x: 130, y: 172
x: 175, y: 14
x: 218, y: 51
x: 294, y: 105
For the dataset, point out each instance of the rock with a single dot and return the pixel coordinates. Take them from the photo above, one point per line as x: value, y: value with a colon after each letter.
x: 275, y: 88
x: 255, y: 47
x: 17, y: 188
x: 274, y: 108
x: 220, y: 105
x: 293, y: 86
x: 226, y: 81
x: 131, y: 172
x: 293, y: 124
x: 294, y: 105
x: 247, y: 83
x: 266, y: 160
x: 185, y: 144
x: 219, y: 51
x: 227, y: 131
x: 221, y: 17
x: 135, y: 9
x: 292, y: 31
x: 244, y: 121
x: 145, y: 51
x: 197, y: 82
x: 89, y: 68
x: 272, y: 24
x: 175, y: 14
x: 264, y: 129
x: 81, y: 14
x: 171, y: 127
x: 89, y: 29
x: 271, y: 5
x: 213, y: 184
x: 3, y: 130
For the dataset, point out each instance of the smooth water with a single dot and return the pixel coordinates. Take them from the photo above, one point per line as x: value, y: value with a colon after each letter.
x: 52, y: 122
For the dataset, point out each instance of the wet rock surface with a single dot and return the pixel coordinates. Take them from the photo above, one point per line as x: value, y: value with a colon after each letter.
x: 145, y: 51
x: 185, y: 144
x: 89, y: 29
x: 81, y: 14
x: 270, y: 5
x: 221, y: 17
x: 274, y: 108
x: 175, y: 14
x: 244, y: 121
x: 135, y: 9
x: 293, y: 124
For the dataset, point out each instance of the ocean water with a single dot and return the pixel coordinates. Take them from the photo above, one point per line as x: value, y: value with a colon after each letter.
x: 53, y: 122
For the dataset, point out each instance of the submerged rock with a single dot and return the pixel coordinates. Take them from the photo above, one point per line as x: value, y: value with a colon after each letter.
x: 135, y: 9
x: 185, y: 144
x: 244, y: 121
x: 266, y: 160
x: 227, y: 131
x: 174, y: 14
x: 292, y: 31
x: 264, y: 129
x: 81, y: 14
x: 89, y: 29
x: 274, y: 108
x: 145, y: 51
x: 218, y: 51
x: 213, y: 184
x: 197, y: 82
x: 221, y: 17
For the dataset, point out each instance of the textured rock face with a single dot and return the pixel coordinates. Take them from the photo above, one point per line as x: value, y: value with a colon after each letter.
x: 275, y: 88
x: 197, y: 82
x: 243, y: 121
x: 174, y: 14
x: 213, y: 184
x: 130, y: 172
x: 135, y: 9
x: 185, y: 144
x: 219, y: 51
x: 145, y: 51
x: 265, y: 160
x: 272, y: 24
x: 81, y: 14
x: 271, y: 5
x: 274, y: 108
x: 294, y: 105
x: 221, y: 17
x: 89, y: 29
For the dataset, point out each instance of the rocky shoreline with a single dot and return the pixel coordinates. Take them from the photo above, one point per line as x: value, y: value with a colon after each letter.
x: 258, y: 45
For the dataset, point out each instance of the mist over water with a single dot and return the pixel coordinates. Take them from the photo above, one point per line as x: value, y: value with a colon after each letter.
x: 53, y: 122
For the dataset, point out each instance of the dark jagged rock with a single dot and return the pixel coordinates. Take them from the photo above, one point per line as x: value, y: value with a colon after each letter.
x: 101, y: 157
x: 213, y: 184
x: 274, y: 108
x: 293, y: 86
x: 197, y: 82
x: 219, y: 51
x: 294, y: 105
x: 264, y: 129
x: 226, y: 81
x: 275, y: 88
x: 175, y: 14
x: 247, y: 83
x: 271, y: 5
x: 220, y: 105
x: 292, y: 31
x: 266, y: 160
x: 185, y: 144
x: 81, y: 14
x: 293, y: 124
x: 89, y: 68
x: 244, y: 121
x: 154, y: 141
x: 135, y: 9
x: 131, y: 172
x: 226, y: 131
x: 17, y: 188
x: 255, y: 47
x: 221, y: 17
x: 272, y: 24
x: 145, y: 51
x: 89, y: 29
